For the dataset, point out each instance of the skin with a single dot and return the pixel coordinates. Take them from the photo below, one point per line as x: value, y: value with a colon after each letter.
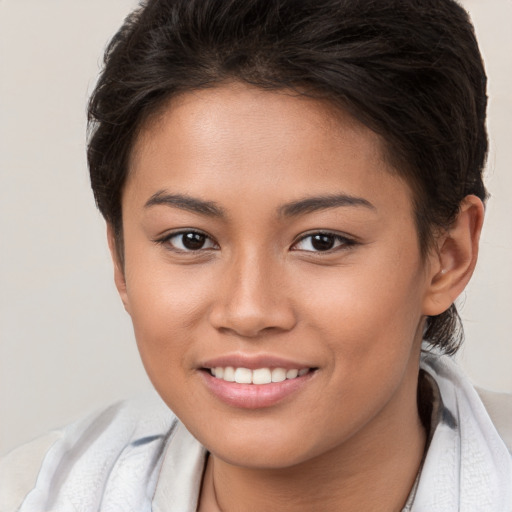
x: 350, y: 438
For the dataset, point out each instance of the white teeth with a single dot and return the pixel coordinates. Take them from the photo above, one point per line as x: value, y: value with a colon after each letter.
x: 258, y: 376
x: 243, y: 376
x: 229, y: 374
x: 261, y: 376
x: 278, y: 375
x: 291, y: 374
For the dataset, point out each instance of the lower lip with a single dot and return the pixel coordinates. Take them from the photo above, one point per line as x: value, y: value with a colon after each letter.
x: 254, y: 396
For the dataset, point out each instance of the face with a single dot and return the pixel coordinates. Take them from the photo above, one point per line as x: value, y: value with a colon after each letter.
x: 266, y: 239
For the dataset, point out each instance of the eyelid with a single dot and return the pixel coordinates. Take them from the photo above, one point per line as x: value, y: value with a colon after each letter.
x: 346, y: 241
x: 166, y: 238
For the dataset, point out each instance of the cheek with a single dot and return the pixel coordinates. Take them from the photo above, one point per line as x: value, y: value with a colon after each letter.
x: 369, y: 312
x: 367, y: 321
x: 166, y: 307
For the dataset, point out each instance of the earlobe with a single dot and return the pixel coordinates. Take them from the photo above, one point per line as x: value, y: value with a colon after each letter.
x: 119, y: 275
x: 453, y: 263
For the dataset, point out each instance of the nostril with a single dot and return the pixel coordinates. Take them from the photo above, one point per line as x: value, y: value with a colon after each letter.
x: 253, y: 322
x: 251, y: 302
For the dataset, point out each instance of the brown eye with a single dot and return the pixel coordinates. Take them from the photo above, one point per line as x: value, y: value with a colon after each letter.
x: 193, y: 241
x: 189, y: 241
x: 323, y: 242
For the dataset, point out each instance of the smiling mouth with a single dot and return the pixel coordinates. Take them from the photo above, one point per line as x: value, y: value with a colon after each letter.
x: 258, y: 376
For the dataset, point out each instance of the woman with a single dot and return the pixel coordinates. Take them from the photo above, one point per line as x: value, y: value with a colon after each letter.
x: 294, y: 199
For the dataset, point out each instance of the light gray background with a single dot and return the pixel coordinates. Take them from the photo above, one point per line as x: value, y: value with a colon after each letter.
x: 66, y: 345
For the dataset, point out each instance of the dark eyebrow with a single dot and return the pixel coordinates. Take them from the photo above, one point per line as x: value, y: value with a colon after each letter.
x: 313, y: 204
x: 185, y: 202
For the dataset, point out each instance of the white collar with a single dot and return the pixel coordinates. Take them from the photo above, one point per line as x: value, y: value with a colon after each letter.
x: 181, y: 473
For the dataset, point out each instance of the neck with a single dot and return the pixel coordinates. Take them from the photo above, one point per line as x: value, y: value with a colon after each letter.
x: 374, y: 470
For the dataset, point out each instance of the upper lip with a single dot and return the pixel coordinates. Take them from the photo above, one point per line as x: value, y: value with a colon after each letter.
x: 253, y: 362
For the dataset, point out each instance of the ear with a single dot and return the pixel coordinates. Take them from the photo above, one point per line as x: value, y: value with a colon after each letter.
x: 119, y: 276
x: 453, y: 261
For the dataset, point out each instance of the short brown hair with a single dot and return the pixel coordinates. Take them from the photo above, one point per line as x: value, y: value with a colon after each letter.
x: 410, y: 70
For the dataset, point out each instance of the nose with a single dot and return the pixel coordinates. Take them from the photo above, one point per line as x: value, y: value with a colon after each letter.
x: 253, y: 299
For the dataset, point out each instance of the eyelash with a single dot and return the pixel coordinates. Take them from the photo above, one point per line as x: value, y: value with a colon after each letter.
x: 344, y: 242
x: 166, y: 240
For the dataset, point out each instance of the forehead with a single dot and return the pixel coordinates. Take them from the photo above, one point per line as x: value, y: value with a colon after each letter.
x: 256, y: 141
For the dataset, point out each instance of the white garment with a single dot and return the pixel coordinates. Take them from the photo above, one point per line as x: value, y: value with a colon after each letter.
x: 467, y: 468
x: 136, y: 456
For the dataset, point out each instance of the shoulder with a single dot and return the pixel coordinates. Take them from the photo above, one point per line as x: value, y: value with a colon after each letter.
x: 499, y: 408
x: 124, y: 438
x: 468, y: 465
x: 455, y: 385
x: 19, y: 470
